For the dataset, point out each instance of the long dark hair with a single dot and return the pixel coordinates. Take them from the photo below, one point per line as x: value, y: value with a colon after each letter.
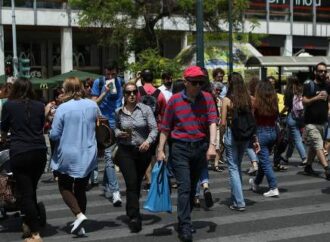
x: 266, y: 99
x: 238, y: 92
x: 21, y: 90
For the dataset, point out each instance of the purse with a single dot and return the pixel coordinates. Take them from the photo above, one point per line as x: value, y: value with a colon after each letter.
x: 7, y: 186
x: 105, y: 136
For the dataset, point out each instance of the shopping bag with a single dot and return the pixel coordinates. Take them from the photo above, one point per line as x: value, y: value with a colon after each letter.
x: 159, y: 199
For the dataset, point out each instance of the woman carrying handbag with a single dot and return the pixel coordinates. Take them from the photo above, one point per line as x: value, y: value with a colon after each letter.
x: 136, y: 130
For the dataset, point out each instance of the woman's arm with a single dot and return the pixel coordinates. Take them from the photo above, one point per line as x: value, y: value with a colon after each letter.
x: 57, y: 126
x: 152, y: 125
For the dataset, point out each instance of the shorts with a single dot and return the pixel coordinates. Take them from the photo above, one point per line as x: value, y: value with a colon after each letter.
x: 314, y: 136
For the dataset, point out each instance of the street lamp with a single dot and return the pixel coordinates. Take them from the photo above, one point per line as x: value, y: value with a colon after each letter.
x: 15, y: 60
x: 199, y: 33
x: 230, y: 37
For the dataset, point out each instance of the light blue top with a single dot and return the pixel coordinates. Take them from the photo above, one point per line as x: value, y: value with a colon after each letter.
x: 73, y: 128
x: 110, y: 102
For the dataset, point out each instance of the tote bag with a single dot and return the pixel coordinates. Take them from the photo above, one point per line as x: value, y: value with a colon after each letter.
x: 159, y: 199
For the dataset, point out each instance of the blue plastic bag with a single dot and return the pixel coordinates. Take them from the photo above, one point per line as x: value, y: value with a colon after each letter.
x: 159, y: 197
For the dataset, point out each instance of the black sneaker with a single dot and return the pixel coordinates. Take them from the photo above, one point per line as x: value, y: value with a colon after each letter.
x: 327, y: 174
x: 208, y: 198
x: 309, y: 170
x: 135, y: 225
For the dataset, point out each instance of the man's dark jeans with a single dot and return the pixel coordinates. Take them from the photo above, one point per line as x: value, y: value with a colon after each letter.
x: 188, y: 159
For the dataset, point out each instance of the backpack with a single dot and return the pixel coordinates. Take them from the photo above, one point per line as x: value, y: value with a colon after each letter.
x: 150, y: 100
x: 243, y: 124
x: 297, y: 109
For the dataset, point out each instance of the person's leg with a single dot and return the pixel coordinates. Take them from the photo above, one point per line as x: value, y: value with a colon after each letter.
x: 253, y: 159
x: 199, y: 172
x: 27, y: 169
x: 296, y: 137
x: 79, y: 189
x: 181, y: 156
x: 65, y: 186
x: 110, y: 176
x: 127, y: 165
x: 267, y: 138
x: 234, y: 170
x: 143, y: 161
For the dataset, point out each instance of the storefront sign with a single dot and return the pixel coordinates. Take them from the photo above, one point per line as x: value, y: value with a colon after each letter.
x: 307, y: 3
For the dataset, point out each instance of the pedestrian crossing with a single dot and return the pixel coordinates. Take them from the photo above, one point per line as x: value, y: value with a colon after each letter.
x: 301, y: 213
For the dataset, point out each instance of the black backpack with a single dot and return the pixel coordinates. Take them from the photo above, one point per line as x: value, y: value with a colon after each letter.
x: 243, y: 124
x: 150, y: 100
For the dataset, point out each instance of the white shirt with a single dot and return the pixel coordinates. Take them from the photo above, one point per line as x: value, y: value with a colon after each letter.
x: 167, y: 92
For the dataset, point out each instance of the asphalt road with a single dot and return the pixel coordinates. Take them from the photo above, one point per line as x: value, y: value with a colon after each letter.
x: 301, y: 213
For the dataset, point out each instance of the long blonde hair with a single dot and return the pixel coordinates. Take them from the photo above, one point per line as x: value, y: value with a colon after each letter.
x: 73, y: 89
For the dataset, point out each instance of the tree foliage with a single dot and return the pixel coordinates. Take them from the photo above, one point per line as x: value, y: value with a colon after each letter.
x: 139, y: 20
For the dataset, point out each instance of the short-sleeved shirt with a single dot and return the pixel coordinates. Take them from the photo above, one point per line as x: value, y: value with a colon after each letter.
x: 316, y: 112
x: 110, y: 102
x: 161, y: 101
x: 189, y: 121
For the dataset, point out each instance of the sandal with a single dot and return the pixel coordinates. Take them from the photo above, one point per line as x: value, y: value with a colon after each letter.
x: 280, y: 168
x: 218, y: 169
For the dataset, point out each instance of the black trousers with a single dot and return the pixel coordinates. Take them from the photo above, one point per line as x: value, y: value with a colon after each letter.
x: 28, y: 168
x: 73, y: 191
x: 133, y: 164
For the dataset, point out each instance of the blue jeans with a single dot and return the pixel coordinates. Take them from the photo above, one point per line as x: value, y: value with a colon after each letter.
x: 188, y: 160
x: 251, y: 154
x: 110, y: 179
x: 234, y: 153
x: 204, y: 178
x: 267, y: 138
x: 295, y: 136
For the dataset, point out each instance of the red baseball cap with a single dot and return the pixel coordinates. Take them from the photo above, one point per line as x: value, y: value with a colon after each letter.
x: 192, y: 72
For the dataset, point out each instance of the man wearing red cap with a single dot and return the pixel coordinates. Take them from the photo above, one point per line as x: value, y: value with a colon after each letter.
x: 190, y: 121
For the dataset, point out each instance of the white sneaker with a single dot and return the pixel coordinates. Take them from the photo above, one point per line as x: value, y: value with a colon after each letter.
x: 81, y: 232
x: 253, y: 185
x: 78, y: 223
x: 116, y: 199
x: 272, y: 193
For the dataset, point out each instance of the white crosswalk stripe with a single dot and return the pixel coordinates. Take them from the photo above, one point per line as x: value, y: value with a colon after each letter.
x: 301, y: 212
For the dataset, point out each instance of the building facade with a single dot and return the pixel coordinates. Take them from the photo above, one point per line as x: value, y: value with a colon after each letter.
x: 49, y: 35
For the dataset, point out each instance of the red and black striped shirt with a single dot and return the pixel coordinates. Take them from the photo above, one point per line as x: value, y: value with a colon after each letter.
x: 189, y: 121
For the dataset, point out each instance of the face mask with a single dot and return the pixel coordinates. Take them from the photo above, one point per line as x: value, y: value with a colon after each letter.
x: 168, y: 84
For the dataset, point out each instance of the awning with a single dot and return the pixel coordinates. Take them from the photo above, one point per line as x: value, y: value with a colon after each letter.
x: 82, y: 75
x: 285, y: 61
x: 36, y: 82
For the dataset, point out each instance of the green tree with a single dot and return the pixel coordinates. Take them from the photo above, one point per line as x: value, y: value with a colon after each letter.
x: 138, y: 20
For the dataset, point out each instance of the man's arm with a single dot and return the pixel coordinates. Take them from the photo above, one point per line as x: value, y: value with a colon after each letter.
x: 211, y: 152
x: 161, y: 145
x: 309, y: 100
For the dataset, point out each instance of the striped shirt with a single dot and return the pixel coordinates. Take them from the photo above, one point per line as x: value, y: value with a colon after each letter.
x: 141, y: 123
x: 189, y: 121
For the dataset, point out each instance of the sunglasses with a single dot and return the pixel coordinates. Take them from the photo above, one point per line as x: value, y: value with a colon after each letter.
x: 322, y: 71
x: 195, y: 83
x: 129, y: 93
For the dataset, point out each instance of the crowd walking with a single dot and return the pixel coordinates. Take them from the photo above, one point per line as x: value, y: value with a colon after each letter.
x: 190, y: 124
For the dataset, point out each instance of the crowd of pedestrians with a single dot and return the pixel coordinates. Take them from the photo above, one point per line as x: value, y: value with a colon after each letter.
x: 190, y: 123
